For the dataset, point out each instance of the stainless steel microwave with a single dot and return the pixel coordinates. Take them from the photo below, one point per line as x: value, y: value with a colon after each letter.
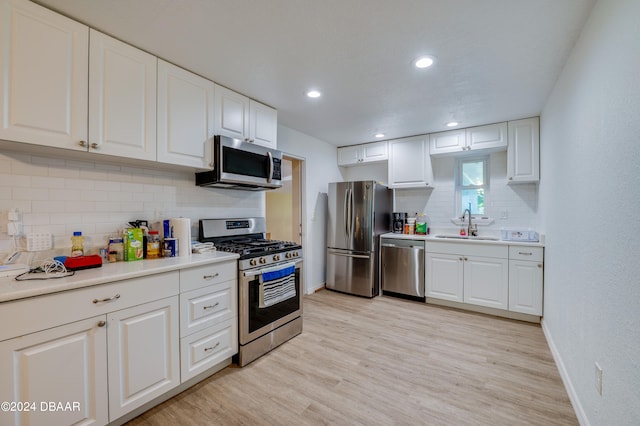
x: 242, y: 165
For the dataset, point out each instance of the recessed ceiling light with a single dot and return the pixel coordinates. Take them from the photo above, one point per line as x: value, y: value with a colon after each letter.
x: 379, y: 135
x: 452, y: 124
x: 314, y: 94
x: 424, y: 62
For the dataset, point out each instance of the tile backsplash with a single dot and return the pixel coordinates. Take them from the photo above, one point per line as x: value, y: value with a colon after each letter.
x: 519, y: 202
x: 60, y: 196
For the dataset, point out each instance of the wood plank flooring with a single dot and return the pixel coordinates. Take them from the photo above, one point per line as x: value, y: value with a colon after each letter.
x: 385, y: 361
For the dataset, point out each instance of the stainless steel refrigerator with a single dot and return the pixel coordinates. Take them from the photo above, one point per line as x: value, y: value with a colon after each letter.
x: 358, y: 213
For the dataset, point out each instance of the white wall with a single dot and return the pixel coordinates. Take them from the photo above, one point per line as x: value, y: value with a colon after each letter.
x: 590, y: 210
x: 320, y: 169
x: 60, y: 196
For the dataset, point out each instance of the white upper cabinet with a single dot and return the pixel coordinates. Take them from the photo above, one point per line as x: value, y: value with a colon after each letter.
x: 523, y: 153
x: 362, y: 154
x: 489, y: 137
x: 449, y: 142
x: 410, y: 163
x: 43, y: 76
x: 239, y: 117
x: 122, y: 99
x: 185, y: 117
x: 263, y: 125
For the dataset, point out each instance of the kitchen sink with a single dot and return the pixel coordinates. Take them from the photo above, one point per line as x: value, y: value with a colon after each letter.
x: 466, y: 237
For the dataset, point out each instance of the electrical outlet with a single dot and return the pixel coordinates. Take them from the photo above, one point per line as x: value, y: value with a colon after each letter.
x: 504, y: 214
x: 598, y: 378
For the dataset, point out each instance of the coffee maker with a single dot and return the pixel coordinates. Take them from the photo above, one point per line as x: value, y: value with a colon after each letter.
x: 398, y: 222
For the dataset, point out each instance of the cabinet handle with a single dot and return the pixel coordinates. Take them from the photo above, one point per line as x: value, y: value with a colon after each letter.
x: 466, y: 258
x: 461, y: 258
x: 108, y: 299
x: 539, y: 265
x: 510, y: 177
x: 82, y: 143
x: 210, y: 277
x: 95, y: 145
x: 102, y: 323
x: 212, y: 347
x: 524, y: 253
x: 211, y: 306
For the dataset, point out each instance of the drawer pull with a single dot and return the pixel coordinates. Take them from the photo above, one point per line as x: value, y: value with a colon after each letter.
x: 211, y: 306
x: 524, y: 253
x: 108, y: 299
x: 210, y: 277
x: 539, y: 265
x: 102, y: 323
x: 212, y: 347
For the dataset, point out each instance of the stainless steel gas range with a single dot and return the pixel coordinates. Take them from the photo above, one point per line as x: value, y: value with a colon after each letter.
x: 270, y: 283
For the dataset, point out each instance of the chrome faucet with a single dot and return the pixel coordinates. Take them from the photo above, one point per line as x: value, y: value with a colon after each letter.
x: 471, y: 230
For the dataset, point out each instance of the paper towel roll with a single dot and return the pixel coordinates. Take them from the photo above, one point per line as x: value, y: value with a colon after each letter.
x: 181, y: 227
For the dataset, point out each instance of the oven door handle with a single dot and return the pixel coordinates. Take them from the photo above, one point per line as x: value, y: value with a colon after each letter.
x: 260, y: 271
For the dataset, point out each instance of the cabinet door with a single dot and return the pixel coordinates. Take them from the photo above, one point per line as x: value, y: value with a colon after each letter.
x: 486, y: 281
x: 185, y: 117
x: 122, y: 99
x: 143, y: 352
x: 43, y: 76
x: 525, y: 287
x: 410, y: 163
x: 447, y: 142
x: 65, y: 364
x: 263, y: 125
x: 231, y: 113
x: 372, y: 152
x: 523, y: 153
x: 444, y: 276
x: 491, y: 136
x: 348, y: 155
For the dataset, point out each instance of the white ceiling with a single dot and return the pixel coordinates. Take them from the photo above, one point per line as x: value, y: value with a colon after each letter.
x: 495, y: 59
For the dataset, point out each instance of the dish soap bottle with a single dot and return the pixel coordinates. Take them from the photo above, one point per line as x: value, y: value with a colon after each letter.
x: 77, y: 244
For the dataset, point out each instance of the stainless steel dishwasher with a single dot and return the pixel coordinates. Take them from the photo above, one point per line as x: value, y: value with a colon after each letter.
x: 402, y: 267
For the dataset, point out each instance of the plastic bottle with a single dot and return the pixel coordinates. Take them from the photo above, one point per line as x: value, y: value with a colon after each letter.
x: 77, y: 244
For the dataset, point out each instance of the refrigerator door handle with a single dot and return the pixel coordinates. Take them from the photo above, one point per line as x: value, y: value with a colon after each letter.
x: 358, y: 256
x: 346, y: 213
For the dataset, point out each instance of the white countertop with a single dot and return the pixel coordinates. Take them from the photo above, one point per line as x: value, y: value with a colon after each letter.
x: 10, y: 289
x: 432, y: 238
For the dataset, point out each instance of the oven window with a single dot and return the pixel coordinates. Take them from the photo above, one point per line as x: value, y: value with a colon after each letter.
x: 260, y: 317
x: 245, y: 163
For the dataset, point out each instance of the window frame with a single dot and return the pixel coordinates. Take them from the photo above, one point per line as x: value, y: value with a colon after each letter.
x: 458, y: 179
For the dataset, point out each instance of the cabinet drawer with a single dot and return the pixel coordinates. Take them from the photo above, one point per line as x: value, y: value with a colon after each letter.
x: 206, y: 275
x: 468, y: 249
x: 204, y: 307
x: 43, y: 312
x: 206, y: 348
x: 534, y: 254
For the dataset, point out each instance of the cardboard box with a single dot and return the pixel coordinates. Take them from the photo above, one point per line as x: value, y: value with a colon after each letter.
x: 133, y: 244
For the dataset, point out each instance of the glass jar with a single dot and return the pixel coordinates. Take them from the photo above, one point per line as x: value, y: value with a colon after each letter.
x: 153, y: 245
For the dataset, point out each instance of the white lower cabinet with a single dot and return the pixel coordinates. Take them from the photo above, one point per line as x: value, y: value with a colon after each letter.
x: 486, y: 281
x: 475, y: 274
x: 526, y: 279
x: 62, y: 365
x: 143, y: 361
x: 445, y: 276
x: 208, y: 317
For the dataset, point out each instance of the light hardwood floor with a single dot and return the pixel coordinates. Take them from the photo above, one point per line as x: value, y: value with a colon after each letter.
x: 385, y: 361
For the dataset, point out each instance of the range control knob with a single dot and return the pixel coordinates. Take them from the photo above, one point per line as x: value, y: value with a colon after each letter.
x: 288, y: 255
x: 276, y: 257
x: 296, y: 254
x: 263, y: 260
x: 253, y: 262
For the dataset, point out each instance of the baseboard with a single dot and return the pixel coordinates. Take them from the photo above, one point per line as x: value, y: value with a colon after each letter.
x: 573, y: 396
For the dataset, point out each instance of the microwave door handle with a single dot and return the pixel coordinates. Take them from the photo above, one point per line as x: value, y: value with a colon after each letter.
x: 270, y: 166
